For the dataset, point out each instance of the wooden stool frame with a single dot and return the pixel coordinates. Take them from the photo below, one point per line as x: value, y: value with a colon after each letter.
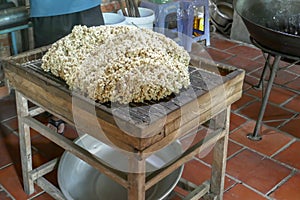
x: 48, y: 96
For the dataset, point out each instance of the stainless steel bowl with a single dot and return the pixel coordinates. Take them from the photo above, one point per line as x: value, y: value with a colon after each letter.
x: 222, y: 13
x: 78, y: 180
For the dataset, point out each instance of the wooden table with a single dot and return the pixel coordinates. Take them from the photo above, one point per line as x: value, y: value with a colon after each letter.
x: 214, y: 88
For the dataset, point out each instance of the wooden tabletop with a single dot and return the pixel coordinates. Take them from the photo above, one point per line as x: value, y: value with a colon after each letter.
x: 140, y: 127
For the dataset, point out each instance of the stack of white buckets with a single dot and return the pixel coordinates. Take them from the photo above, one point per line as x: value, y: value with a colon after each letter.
x: 145, y: 21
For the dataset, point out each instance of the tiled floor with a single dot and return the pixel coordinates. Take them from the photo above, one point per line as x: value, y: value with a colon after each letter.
x: 266, y: 169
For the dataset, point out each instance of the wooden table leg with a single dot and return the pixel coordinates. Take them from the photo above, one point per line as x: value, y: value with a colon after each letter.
x: 219, y: 163
x: 25, y: 143
x: 136, y: 179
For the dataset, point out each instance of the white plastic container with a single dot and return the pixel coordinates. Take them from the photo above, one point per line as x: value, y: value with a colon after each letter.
x: 145, y: 20
x: 113, y: 19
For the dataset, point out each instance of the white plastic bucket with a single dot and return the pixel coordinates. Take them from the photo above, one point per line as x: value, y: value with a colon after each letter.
x: 113, y: 19
x: 145, y: 20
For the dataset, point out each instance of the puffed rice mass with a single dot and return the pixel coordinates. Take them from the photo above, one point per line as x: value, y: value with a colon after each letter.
x: 119, y: 63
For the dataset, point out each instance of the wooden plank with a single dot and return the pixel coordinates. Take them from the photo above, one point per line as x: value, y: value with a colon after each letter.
x: 25, y: 143
x: 108, y: 133
x: 168, y: 139
x: 145, y: 132
x: 61, y: 106
x: 128, y: 142
x: 76, y: 150
x: 86, y: 120
x: 209, y: 103
x: 35, y: 111
x: 136, y: 178
x: 186, y: 185
x: 25, y: 56
x: 212, y: 66
x: 55, y: 98
x: 50, y: 189
x: 198, y: 192
x: 210, y: 140
x: 43, y: 169
x: 48, y: 98
x: 219, y: 162
x: 189, y: 126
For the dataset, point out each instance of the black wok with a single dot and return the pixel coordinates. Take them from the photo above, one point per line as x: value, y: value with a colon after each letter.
x: 274, y: 24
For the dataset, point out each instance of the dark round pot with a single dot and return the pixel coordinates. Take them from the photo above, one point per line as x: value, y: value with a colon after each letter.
x: 274, y: 24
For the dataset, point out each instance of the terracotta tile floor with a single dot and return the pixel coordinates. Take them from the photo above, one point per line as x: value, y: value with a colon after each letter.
x: 266, y: 169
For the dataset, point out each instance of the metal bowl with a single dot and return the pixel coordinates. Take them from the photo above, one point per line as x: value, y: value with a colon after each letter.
x: 78, y: 180
x: 267, y: 20
x: 222, y: 13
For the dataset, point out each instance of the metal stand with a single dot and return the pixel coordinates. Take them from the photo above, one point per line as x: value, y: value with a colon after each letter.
x: 12, y: 31
x: 274, y: 67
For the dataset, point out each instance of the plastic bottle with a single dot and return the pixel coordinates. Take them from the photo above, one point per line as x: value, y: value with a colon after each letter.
x: 198, y: 25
